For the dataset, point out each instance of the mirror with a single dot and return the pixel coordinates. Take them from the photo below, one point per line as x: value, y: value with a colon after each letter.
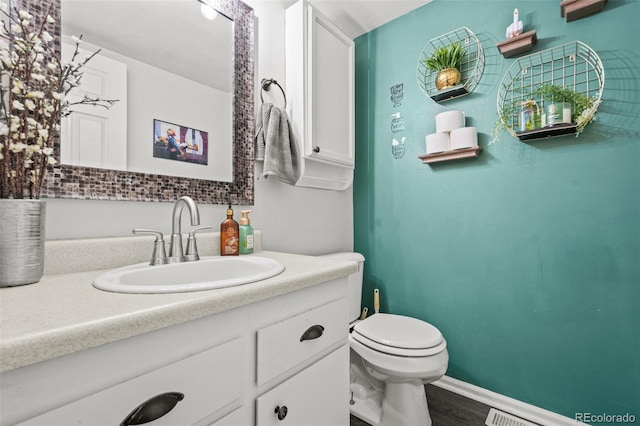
x: 175, y: 78
x: 140, y: 184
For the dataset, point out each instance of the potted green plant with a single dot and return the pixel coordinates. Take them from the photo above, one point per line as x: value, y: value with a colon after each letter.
x: 446, y: 61
x: 583, y: 107
x: 581, y: 104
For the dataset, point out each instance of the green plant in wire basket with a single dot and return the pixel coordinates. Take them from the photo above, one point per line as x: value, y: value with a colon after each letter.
x: 446, y: 61
x: 581, y: 104
x: 583, y: 107
x: 446, y: 57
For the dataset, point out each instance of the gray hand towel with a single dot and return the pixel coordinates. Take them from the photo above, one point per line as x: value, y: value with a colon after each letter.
x: 276, y: 144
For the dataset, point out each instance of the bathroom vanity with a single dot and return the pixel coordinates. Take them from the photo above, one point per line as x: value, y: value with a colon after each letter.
x: 259, y: 353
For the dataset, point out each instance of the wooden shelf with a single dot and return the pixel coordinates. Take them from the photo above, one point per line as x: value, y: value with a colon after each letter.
x: 548, y: 132
x: 517, y: 45
x: 576, y: 9
x: 457, y: 154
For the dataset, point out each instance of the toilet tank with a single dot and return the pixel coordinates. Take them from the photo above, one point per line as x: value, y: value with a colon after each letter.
x: 354, y: 282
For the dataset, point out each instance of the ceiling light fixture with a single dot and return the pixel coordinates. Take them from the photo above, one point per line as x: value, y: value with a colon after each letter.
x: 208, y: 11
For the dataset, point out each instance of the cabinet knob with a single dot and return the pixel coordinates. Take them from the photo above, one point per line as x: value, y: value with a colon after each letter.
x: 312, y: 332
x: 281, y: 412
x: 316, y: 149
x: 153, y: 408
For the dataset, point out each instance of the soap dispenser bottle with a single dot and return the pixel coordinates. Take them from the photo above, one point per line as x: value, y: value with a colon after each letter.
x: 229, y: 235
x: 246, y: 233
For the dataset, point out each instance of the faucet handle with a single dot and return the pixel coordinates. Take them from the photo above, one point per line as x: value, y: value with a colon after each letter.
x: 192, y: 248
x: 159, y: 255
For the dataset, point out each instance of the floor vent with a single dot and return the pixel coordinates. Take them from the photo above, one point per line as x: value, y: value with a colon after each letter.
x: 499, y: 418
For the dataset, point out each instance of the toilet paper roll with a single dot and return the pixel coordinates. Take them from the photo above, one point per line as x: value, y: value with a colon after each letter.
x: 437, y: 142
x: 449, y: 120
x: 466, y: 137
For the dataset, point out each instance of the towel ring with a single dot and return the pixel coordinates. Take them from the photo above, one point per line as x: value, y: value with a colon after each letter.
x: 266, y: 83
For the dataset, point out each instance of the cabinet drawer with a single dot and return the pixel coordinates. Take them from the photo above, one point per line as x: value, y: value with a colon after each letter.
x: 209, y: 381
x: 282, y: 345
x: 318, y: 395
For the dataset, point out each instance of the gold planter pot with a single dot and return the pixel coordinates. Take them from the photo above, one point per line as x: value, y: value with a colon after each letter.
x: 447, y: 77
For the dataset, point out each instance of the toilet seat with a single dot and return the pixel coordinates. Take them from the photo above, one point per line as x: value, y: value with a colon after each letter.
x: 399, y: 335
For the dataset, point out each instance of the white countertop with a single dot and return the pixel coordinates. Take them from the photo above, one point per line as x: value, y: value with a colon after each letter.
x: 64, y: 313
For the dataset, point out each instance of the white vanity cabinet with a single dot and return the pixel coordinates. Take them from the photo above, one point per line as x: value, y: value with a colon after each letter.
x: 315, y: 395
x: 186, y: 391
x: 235, y: 368
x: 320, y: 93
x: 298, y: 338
x: 311, y: 397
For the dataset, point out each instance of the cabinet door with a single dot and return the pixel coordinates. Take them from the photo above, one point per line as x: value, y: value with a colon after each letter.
x: 317, y: 396
x: 207, y: 382
x: 330, y: 55
x: 97, y: 137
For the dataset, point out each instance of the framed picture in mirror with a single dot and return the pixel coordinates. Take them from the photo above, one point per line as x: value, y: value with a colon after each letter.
x: 180, y: 143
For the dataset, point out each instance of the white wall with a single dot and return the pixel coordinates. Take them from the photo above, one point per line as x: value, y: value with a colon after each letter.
x: 153, y: 93
x: 157, y: 94
x: 292, y: 219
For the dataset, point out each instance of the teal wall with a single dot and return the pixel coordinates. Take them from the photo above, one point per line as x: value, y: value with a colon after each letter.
x: 528, y: 257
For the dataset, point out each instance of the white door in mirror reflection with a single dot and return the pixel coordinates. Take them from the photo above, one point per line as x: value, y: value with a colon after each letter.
x: 93, y: 136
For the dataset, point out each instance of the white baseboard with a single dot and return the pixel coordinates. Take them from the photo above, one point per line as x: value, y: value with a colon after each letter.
x: 501, y: 402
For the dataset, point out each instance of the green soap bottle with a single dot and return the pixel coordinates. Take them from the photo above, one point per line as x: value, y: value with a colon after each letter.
x: 246, y: 233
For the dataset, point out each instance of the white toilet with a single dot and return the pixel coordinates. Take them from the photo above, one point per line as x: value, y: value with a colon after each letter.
x: 392, y: 358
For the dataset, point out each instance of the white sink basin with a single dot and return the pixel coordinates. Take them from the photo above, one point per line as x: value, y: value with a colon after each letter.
x: 205, y: 274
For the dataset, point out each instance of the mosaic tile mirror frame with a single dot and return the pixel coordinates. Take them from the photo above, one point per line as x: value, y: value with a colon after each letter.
x: 66, y: 181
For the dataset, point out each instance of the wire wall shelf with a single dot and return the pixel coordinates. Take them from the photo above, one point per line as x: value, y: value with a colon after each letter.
x: 471, y: 68
x: 539, y: 77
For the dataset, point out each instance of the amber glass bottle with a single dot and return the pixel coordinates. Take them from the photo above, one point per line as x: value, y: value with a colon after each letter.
x: 229, y: 236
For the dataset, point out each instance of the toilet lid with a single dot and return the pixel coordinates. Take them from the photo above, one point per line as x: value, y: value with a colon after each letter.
x: 399, y: 331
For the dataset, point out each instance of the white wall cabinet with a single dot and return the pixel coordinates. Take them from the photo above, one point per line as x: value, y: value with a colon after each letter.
x: 320, y: 92
x: 221, y: 365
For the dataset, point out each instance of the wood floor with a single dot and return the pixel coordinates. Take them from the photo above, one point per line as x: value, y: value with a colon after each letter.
x: 448, y: 409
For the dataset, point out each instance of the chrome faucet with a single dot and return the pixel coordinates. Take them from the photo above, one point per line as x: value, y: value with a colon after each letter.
x: 159, y: 255
x: 176, y: 254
